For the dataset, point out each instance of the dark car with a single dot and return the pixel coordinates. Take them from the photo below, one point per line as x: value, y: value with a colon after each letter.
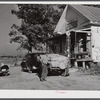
x: 4, y: 70
x: 30, y: 62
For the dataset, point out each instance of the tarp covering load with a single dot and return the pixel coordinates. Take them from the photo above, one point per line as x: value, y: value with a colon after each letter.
x: 57, y: 61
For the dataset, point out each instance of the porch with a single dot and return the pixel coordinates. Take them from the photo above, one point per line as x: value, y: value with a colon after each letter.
x: 76, y: 46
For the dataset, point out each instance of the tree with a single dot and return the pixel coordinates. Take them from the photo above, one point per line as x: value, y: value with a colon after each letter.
x: 38, y: 23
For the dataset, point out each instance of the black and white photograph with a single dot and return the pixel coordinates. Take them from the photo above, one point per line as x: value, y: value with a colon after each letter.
x: 50, y: 46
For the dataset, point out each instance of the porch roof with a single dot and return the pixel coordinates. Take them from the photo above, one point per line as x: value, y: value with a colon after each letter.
x: 86, y: 30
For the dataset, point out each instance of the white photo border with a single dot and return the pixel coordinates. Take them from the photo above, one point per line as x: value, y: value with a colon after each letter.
x: 49, y: 93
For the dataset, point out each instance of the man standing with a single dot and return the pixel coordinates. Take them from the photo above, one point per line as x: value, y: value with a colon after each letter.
x: 44, y: 67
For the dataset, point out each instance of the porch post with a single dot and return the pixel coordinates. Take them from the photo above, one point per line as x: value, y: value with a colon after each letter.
x: 68, y: 44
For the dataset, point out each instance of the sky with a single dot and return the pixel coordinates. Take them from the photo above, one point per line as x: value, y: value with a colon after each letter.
x: 6, y: 21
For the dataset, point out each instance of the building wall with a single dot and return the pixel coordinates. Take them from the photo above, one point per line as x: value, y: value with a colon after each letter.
x: 88, y: 44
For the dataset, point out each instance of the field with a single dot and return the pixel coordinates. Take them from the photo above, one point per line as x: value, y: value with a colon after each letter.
x: 18, y: 80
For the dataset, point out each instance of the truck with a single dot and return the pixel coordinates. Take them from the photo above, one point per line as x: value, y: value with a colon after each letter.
x: 57, y: 64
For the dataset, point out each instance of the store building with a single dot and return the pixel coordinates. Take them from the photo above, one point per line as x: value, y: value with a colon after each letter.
x: 77, y: 35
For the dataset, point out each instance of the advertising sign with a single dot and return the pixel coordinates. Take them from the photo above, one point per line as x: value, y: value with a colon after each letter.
x: 71, y: 24
x: 95, y: 43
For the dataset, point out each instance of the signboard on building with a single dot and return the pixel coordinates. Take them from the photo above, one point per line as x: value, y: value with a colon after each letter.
x: 95, y: 43
x: 71, y: 24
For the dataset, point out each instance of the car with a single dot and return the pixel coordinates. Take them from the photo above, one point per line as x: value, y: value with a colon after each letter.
x: 30, y: 63
x: 56, y: 63
x: 4, y: 70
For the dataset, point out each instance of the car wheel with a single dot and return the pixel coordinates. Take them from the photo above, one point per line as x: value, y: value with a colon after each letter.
x: 65, y: 73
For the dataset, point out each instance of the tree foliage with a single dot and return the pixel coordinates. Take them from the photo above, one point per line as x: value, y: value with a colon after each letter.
x: 38, y: 23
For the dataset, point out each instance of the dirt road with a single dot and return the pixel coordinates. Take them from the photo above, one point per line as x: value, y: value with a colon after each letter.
x: 25, y: 81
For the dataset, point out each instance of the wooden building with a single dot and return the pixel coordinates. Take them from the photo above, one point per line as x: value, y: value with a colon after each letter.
x: 77, y: 34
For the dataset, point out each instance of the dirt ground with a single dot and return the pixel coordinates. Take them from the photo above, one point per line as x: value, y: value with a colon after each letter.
x: 25, y: 81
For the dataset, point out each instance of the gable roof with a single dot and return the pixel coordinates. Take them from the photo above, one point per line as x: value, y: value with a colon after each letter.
x: 90, y: 13
x: 61, y: 25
